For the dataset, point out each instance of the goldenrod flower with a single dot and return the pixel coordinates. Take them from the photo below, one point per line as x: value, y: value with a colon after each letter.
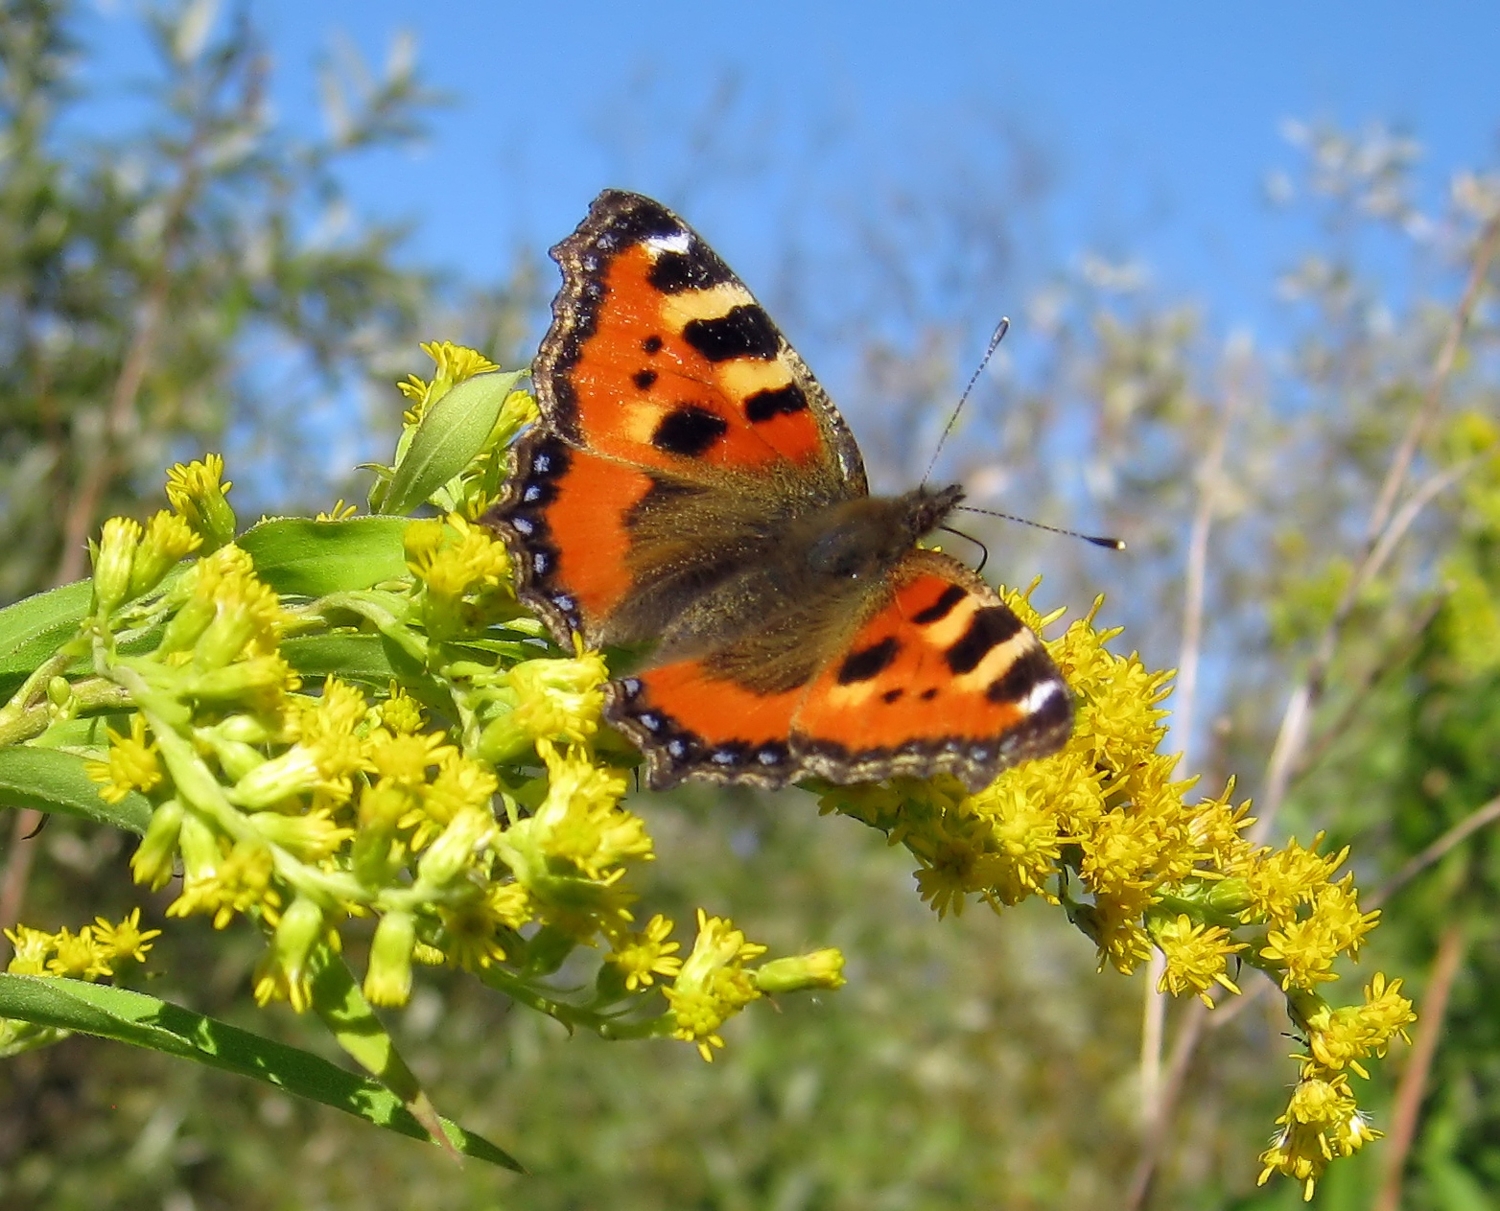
x: 473, y: 933
x: 78, y: 956
x: 168, y: 539
x: 197, y: 491
x: 239, y: 882
x: 112, y: 558
x: 388, y: 977
x: 400, y: 713
x: 152, y: 862
x: 127, y: 940
x: 713, y: 984
x: 132, y: 764
x: 1196, y: 957
x: 31, y: 948
x: 284, y: 972
x: 640, y: 957
x: 452, y: 365
x: 1321, y: 1123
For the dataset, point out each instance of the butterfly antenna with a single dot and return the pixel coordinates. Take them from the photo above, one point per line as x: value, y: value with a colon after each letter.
x: 1000, y: 330
x: 1109, y: 544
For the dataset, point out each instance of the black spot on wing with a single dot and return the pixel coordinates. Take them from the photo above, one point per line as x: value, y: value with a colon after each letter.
x: 892, y: 696
x: 776, y: 401
x: 1022, y: 677
x: 696, y: 269
x: 644, y: 379
x: 928, y: 694
x: 652, y: 344
x: 940, y: 608
x: 990, y: 627
x: 868, y: 662
x: 743, y: 331
x: 689, y: 431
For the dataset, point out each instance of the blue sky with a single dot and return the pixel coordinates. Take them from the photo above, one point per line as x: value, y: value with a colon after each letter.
x: 1158, y: 122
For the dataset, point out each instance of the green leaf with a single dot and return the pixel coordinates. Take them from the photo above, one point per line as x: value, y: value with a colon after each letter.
x: 144, y: 1021
x: 34, y: 628
x: 338, y: 1000
x: 312, y: 558
x: 451, y: 435
x: 53, y: 781
x: 360, y: 658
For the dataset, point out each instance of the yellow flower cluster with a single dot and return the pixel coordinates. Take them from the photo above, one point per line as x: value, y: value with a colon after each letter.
x: 95, y: 952
x: 1103, y: 829
x: 463, y: 806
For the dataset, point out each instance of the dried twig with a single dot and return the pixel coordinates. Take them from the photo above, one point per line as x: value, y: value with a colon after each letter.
x: 1413, y: 1084
x: 1184, y: 709
x: 1415, y: 865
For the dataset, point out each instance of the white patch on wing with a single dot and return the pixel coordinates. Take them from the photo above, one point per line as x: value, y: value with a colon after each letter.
x: 677, y: 241
x: 1041, y: 694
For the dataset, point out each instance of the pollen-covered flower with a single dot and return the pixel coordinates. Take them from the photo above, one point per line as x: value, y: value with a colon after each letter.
x: 452, y: 364
x: 1196, y: 957
x: 459, y: 784
x: 1025, y: 841
x: 1321, y: 1123
x: 113, y: 557
x: 452, y: 557
x: 642, y: 956
x: 713, y: 984
x: 127, y: 940
x: 30, y: 950
x: 132, y: 764
x: 1304, y: 951
x: 1278, y: 882
x: 198, y: 491
x: 78, y: 956
x: 1339, y: 1038
x: 557, y: 699
x: 168, y: 539
x: 578, y: 823
x: 239, y: 882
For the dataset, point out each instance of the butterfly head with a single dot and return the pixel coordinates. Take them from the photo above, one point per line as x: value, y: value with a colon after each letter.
x: 864, y: 537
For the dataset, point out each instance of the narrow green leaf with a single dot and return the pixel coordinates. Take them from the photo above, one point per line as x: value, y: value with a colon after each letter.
x: 359, y: 658
x: 312, y: 558
x: 34, y: 628
x: 145, y: 1021
x: 339, y: 1001
x: 450, y: 437
x: 53, y: 781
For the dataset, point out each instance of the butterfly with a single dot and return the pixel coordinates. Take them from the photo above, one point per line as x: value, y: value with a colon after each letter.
x: 691, y: 494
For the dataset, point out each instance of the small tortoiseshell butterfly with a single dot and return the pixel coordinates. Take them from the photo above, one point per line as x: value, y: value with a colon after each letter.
x: 690, y: 487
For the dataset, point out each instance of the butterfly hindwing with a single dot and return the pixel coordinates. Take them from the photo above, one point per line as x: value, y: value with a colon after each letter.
x: 941, y: 677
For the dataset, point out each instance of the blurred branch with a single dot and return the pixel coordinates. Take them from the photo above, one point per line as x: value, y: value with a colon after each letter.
x: 1402, y: 651
x: 1381, y: 532
x: 1415, y: 865
x: 1185, y: 702
x: 1413, y: 1086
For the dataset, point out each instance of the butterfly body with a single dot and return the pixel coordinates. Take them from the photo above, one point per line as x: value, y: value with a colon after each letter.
x: 691, y: 492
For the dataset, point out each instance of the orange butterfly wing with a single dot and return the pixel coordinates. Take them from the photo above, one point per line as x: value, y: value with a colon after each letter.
x: 691, y: 485
x: 942, y: 677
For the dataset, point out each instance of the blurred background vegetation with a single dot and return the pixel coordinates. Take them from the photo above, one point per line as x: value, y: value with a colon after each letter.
x: 204, y: 282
